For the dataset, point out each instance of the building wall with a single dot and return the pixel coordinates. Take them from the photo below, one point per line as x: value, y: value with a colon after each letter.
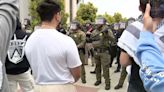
x: 24, y: 10
x: 71, y: 8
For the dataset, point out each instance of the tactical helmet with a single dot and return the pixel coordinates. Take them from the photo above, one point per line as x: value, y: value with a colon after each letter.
x: 130, y: 20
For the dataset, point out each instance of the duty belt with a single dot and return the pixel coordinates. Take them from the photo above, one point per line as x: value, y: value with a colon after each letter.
x: 102, y: 50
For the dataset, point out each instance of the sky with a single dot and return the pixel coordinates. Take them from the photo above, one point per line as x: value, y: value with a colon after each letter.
x: 128, y: 8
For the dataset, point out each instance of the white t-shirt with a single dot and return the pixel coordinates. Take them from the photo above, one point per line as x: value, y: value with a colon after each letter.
x: 51, y: 55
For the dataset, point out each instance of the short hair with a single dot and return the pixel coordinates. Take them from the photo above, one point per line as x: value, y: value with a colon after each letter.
x: 143, y: 5
x: 157, y: 7
x: 47, y: 9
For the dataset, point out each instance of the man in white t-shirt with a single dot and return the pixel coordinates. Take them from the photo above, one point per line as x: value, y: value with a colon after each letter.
x: 53, y: 57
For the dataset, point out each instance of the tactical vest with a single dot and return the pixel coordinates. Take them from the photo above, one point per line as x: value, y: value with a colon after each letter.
x: 101, y: 40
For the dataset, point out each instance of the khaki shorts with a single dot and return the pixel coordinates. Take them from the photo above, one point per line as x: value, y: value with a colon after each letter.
x: 25, y: 81
x: 56, y: 88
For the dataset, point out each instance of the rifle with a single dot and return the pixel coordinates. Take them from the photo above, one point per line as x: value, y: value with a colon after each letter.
x: 104, y: 30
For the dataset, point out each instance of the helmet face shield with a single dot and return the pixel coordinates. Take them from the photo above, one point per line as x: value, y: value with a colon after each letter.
x: 116, y: 26
x: 100, y: 21
x: 73, y: 26
x: 122, y: 25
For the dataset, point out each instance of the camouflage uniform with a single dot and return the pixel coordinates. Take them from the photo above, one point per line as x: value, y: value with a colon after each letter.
x: 80, y: 38
x: 102, y: 57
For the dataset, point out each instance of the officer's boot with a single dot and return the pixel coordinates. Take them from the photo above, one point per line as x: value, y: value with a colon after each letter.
x: 83, y: 81
x: 93, y: 72
x: 97, y: 83
x: 107, y: 86
x: 118, y: 86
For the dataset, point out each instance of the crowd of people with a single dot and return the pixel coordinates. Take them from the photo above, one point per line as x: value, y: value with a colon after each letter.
x: 53, y: 58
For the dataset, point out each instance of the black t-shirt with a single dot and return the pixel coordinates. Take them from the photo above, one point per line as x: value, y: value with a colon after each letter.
x: 135, y: 83
x: 16, y: 61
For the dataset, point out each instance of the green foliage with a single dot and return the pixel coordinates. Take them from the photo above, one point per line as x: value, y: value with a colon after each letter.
x: 125, y: 19
x: 117, y: 17
x: 110, y: 19
x: 35, y: 18
x: 86, y: 12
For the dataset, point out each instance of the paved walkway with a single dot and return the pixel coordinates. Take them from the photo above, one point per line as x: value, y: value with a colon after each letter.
x: 91, y: 78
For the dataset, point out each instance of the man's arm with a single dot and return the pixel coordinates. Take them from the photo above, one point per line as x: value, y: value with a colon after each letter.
x: 125, y: 59
x: 73, y: 60
x: 75, y: 73
x: 8, y: 13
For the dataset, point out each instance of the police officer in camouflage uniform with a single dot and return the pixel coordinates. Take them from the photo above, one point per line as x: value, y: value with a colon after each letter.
x: 80, y: 39
x: 102, y: 37
x: 88, y: 47
x: 123, y: 72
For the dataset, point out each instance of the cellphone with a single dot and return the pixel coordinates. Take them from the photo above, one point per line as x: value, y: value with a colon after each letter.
x: 157, y: 8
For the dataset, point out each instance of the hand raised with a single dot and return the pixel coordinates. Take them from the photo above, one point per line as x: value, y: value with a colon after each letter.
x: 148, y: 21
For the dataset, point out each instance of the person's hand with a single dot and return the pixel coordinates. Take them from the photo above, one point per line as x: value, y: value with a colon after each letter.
x: 148, y: 21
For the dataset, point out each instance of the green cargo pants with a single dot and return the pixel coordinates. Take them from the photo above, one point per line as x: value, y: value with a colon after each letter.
x: 122, y: 76
x: 102, y: 60
x: 82, y: 57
